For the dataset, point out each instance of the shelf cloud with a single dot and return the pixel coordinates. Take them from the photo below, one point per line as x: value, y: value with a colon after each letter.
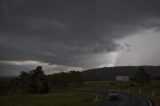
x: 77, y: 33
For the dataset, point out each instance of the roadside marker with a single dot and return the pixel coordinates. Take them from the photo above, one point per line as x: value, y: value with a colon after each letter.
x: 96, y: 99
x: 140, y: 91
x: 153, y: 93
x: 128, y: 90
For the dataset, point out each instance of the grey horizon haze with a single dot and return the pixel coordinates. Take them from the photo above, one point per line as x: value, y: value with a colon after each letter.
x: 64, y: 35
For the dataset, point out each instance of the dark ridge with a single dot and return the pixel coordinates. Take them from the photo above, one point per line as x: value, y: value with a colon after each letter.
x: 109, y: 73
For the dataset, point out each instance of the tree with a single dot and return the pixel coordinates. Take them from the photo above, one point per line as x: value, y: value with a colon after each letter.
x: 38, y: 82
x: 35, y: 81
x: 24, y: 80
x: 142, y: 77
x: 64, y: 80
x: 75, y: 78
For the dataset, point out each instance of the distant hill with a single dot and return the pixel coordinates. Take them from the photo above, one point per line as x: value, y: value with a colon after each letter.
x: 109, y: 73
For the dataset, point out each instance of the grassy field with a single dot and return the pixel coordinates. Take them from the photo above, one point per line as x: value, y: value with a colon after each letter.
x: 151, y: 91
x: 74, y: 98
x: 67, y: 98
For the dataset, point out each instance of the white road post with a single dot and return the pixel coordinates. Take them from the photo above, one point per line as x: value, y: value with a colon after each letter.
x: 153, y: 93
x: 140, y: 91
x: 128, y: 90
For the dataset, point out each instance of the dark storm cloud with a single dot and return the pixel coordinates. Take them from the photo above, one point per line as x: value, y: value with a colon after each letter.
x: 66, y: 31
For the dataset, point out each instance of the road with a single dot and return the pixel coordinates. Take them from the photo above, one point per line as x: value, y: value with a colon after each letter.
x: 126, y: 100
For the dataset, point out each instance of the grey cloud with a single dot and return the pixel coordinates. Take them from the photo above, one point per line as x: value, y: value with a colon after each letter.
x: 69, y: 31
x: 13, y: 68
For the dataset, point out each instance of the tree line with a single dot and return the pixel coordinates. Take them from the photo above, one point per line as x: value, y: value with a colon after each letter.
x: 35, y: 81
x: 142, y: 77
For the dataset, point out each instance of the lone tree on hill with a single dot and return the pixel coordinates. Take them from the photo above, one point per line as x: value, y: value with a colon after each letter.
x: 35, y: 81
x: 142, y: 77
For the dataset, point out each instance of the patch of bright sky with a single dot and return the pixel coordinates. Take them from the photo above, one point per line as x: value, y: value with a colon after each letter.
x: 143, y: 48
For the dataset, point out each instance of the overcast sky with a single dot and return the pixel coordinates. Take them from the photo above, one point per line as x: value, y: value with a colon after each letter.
x: 63, y: 35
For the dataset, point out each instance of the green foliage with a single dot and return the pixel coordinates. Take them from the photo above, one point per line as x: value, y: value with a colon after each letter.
x: 8, y: 85
x: 64, y: 80
x: 34, y: 82
x: 156, y: 78
x: 4, y: 86
x: 23, y: 81
x: 37, y: 82
x: 142, y: 77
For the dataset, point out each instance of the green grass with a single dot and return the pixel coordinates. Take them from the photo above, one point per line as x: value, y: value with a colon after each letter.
x: 74, y: 98
x: 54, y: 99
